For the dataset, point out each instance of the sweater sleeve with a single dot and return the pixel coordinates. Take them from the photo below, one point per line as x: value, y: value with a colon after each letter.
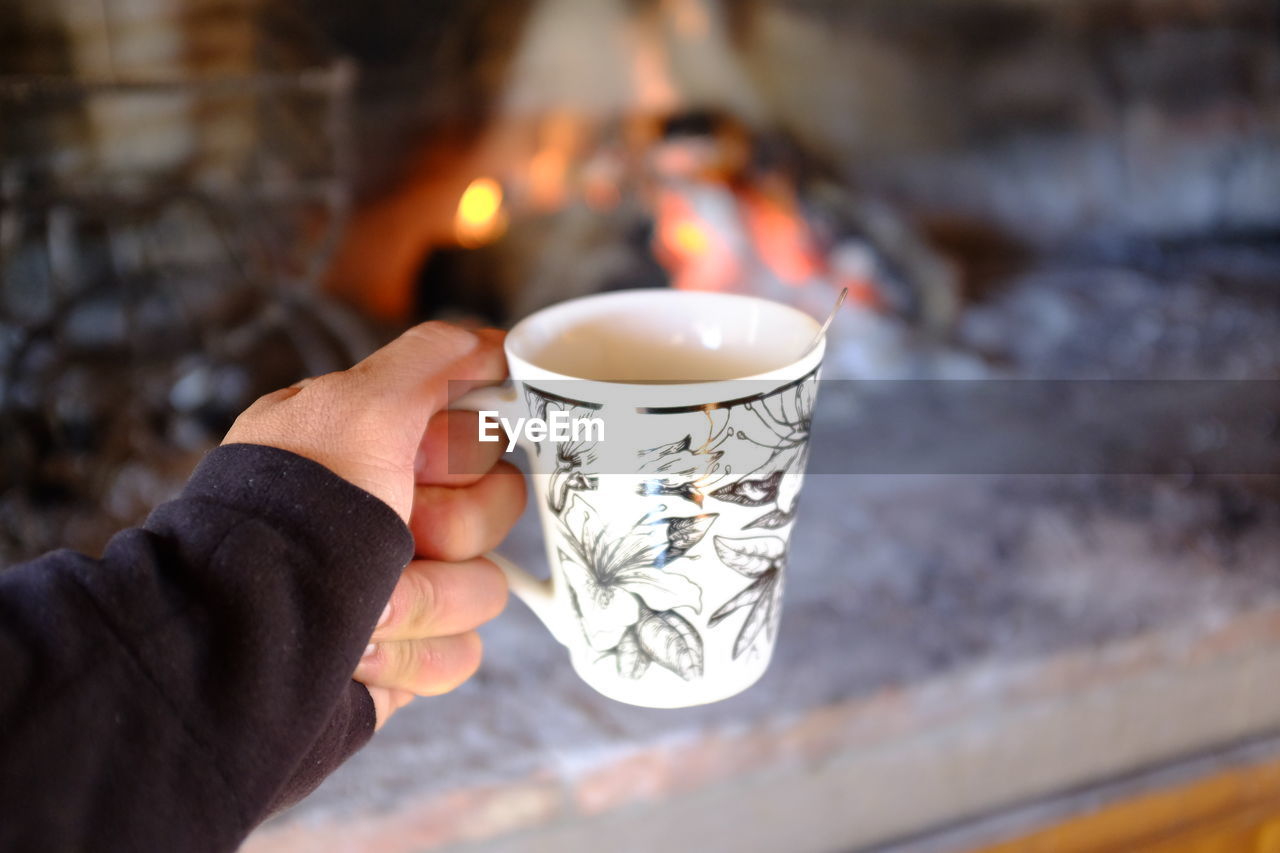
x: 171, y: 694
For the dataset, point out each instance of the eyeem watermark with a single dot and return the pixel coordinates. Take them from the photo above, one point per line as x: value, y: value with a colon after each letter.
x: 558, y: 427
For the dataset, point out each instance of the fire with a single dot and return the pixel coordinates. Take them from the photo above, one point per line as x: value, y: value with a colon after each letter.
x: 560, y: 145
x: 697, y: 256
x: 480, y: 218
x: 689, y: 239
x: 690, y: 17
x: 781, y: 236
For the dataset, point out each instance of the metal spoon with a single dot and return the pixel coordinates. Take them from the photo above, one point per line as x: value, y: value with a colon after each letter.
x: 818, y: 337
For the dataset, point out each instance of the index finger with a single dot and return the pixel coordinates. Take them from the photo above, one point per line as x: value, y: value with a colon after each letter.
x: 451, y: 453
x: 429, y: 366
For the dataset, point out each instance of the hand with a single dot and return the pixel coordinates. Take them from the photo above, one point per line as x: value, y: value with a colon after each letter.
x: 425, y: 643
x: 380, y: 426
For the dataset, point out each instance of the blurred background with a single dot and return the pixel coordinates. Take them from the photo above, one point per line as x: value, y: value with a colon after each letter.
x: 202, y: 201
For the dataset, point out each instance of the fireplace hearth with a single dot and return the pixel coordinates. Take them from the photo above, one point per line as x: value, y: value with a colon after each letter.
x: 206, y: 200
x: 1009, y: 189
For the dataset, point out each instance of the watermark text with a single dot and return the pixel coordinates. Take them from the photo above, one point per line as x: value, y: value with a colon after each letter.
x: 558, y: 427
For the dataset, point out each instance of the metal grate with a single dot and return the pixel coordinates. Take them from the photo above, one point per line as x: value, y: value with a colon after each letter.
x: 144, y: 301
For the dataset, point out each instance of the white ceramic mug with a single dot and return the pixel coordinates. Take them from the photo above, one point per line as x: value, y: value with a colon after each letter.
x: 667, y: 537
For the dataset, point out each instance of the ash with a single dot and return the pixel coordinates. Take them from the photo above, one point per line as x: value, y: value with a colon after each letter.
x: 1194, y: 312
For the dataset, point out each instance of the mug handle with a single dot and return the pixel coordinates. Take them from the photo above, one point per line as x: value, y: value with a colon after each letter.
x: 536, y: 593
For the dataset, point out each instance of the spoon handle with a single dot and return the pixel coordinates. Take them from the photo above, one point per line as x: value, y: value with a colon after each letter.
x: 821, y: 332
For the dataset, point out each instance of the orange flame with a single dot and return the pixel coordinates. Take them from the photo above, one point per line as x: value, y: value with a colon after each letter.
x: 688, y: 238
x: 692, y: 252
x: 781, y: 238
x: 690, y: 16
x: 480, y: 218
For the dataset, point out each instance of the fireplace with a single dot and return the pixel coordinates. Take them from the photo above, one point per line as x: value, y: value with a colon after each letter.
x: 933, y: 160
x: 200, y: 205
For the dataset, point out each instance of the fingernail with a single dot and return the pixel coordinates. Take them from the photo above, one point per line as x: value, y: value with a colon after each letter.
x: 369, y: 651
x: 385, y: 617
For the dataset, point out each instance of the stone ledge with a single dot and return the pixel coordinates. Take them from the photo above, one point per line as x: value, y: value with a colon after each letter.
x: 988, y: 641
x: 956, y: 747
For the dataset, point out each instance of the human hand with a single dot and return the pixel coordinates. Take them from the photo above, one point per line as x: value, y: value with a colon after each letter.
x: 380, y: 426
x: 425, y: 643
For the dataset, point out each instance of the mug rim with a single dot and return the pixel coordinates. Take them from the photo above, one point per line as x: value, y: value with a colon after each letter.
x: 522, y: 369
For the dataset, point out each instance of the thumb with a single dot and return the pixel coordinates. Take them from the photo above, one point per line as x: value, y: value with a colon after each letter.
x: 425, y: 368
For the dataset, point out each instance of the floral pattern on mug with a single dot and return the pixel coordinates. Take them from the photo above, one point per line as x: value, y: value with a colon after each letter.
x: 575, y: 459
x: 632, y: 583
x: 762, y: 560
x: 781, y: 424
x: 616, y: 576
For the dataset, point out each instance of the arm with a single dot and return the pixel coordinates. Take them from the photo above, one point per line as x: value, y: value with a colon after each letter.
x: 163, y: 696
x: 171, y: 694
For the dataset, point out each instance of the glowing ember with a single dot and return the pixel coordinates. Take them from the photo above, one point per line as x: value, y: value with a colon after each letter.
x: 480, y: 218
x: 781, y: 237
x: 691, y: 248
x: 689, y: 239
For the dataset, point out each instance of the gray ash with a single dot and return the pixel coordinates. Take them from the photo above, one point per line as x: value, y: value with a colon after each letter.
x: 1211, y: 312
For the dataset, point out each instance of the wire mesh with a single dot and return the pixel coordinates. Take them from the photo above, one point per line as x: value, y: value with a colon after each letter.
x: 145, y: 299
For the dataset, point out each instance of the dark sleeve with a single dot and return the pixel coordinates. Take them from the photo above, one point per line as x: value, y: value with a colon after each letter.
x: 172, y: 694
